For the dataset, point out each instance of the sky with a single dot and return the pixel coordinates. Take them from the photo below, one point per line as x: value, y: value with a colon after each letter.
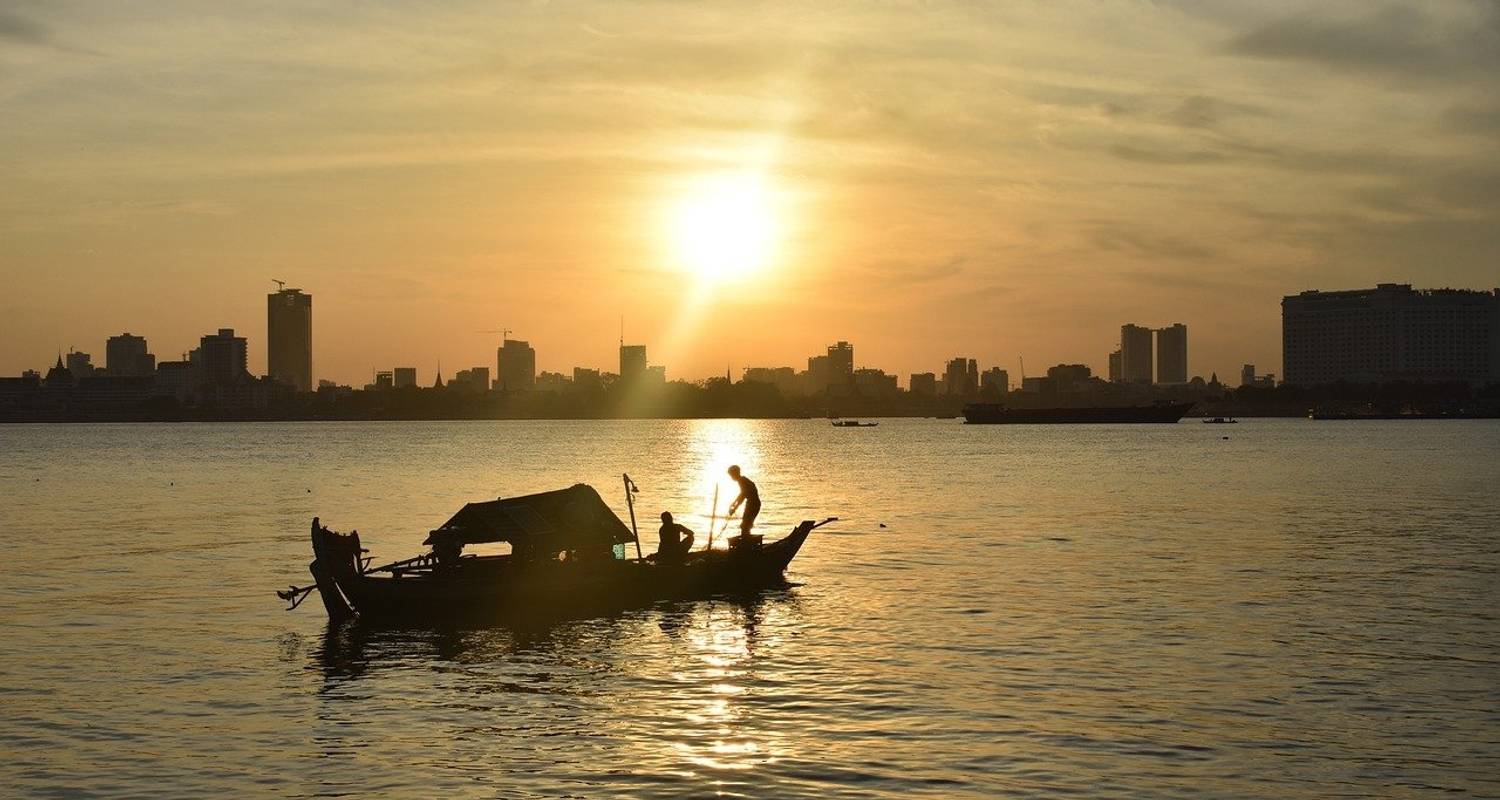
x: 989, y: 180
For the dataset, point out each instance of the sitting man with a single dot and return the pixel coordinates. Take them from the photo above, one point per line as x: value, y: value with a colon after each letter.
x: 676, y: 541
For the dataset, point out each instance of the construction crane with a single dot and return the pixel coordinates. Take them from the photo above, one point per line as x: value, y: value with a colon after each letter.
x: 280, y: 285
x: 504, y: 333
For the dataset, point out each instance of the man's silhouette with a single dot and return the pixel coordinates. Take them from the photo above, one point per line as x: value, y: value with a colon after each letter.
x: 749, y: 495
x: 676, y: 540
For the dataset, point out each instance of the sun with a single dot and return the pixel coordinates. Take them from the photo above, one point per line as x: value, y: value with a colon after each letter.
x: 723, y: 227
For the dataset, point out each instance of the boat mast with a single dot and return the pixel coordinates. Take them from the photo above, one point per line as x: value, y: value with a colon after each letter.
x: 630, y: 490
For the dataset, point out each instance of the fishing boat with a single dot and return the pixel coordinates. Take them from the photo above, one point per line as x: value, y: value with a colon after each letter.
x: 1221, y: 421
x: 997, y: 414
x: 567, y: 555
x: 853, y: 423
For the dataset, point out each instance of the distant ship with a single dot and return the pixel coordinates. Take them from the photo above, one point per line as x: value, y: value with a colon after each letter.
x: 997, y: 414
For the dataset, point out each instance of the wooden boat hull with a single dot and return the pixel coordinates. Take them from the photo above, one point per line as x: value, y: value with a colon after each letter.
x: 484, y: 588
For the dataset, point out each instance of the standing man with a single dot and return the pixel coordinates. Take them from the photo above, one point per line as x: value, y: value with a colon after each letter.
x: 749, y: 495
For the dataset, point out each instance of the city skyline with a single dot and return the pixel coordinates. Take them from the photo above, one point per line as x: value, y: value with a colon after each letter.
x: 1144, y: 355
x: 1001, y: 182
x: 260, y: 359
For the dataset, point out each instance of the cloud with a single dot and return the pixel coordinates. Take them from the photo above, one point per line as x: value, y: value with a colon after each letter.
x: 1410, y: 42
x: 20, y: 29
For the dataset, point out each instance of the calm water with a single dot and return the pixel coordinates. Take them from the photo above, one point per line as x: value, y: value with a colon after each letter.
x: 1301, y: 610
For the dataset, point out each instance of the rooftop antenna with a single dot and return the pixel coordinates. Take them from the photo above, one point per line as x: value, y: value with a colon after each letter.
x: 1023, y: 368
x: 622, y: 330
x: 280, y: 285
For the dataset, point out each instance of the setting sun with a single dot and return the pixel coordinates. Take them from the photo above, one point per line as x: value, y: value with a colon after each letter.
x: 724, y: 226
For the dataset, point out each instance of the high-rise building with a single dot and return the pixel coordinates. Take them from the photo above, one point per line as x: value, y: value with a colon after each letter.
x: 783, y: 378
x: 289, y: 338
x: 840, y: 363
x: 515, y: 366
x: 1116, y: 374
x: 1392, y: 332
x: 874, y: 383
x: 176, y: 379
x: 1247, y: 375
x: 632, y: 361
x: 478, y: 377
x: 402, y: 377
x: 1135, y: 354
x: 587, y: 379
x: 923, y: 384
x: 80, y: 364
x: 961, y: 377
x: 994, y: 381
x: 1171, y: 354
x: 1069, y: 377
x: 126, y: 355
x: 817, y: 374
x: 221, y: 358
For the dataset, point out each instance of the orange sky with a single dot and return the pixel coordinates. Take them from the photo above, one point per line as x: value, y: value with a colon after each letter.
x: 948, y: 179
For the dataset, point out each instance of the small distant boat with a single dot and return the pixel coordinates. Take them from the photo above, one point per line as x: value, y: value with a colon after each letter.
x: 853, y: 423
x: 998, y: 414
x: 1221, y: 421
x: 567, y: 557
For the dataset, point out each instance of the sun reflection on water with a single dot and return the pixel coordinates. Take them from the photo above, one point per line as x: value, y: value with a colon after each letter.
x: 710, y: 448
x: 720, y: 700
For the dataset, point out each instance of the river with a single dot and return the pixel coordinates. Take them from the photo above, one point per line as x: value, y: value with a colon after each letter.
x: 1277, y: 609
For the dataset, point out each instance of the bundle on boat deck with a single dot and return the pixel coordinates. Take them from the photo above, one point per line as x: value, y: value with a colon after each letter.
x: 565, y: 557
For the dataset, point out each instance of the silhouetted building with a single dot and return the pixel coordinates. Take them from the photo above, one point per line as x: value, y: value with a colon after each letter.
x: 961, y: 377
x: 222, y: 358
x: 1069, y: 377
x: 385, y: 380
x: 1247, y: 375
x: 1116, y: 370
x: 1135, y: 354
x: 474, y: 379
x: 783, y: 378
x: 922, y: 384
x: 553, y: 382
x: 994, y: 381
x: 176, y: 379
x: 588, y: 380
x: 656, y: 375
x: 874, y: 383
x: 125, y: 356
x: 80, y: 364
x: 402, y: 377
x: 515, y: 366
x: 1171, y: 354
x: 1391, y: 332
x: 817, y: 376
x: 632, y: 361
x: 840, y: 362
x: 59, y: 377
x: 289, y: 338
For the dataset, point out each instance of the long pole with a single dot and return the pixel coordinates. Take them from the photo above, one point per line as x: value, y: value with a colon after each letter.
x: 630, y: 503
x: 713, y: 515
